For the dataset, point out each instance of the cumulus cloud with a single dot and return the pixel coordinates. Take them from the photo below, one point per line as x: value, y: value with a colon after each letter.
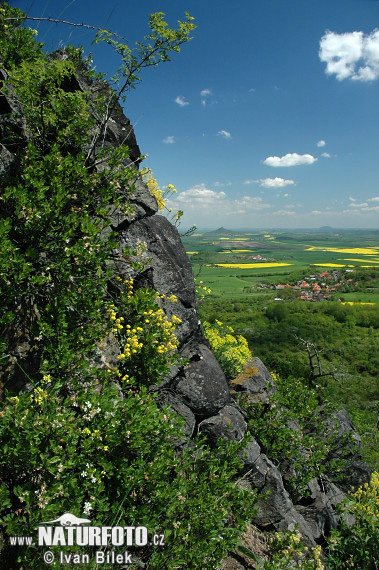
x: 325, y: 155
x: 181, y: 101
x: 351, y: 55
x: 291, y: 159
x: 371, y: 209
x: 284, y: 213
x: 205, y: 92
x: 209, y: 202
x: 275, y: 182
x: 375, y: 199
x: 169, y: 140
x: 224, y: 134
x: 248, y: 204
x: 321, y: 143
x: 250, y: 181
x: 200, y: 194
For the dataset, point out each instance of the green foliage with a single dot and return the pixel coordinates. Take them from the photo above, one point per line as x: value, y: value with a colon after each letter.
x: 356, y: 545
x: 287, y: 552
x: 17, y: 44
x: 144, y: 333
x: 83, y: 438
x: 291, y: 430
x: 112, y: 460
x: 159, y: 43
x: 231, y: 351
x: 350, y: 354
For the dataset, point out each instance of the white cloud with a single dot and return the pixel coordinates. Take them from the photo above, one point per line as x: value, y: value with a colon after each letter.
x: 199, y: 194
x: 316, y: 212
x: 225, y: 134
x: 205, y: 92
x: 351, y: 55
x: 321, y: 143
x: 291, y: 159
x: 249, y: 181
x: 169, y: 140
x: 355, y: 205
x: 222, y: 184
x: 352, y: 199
x: 181, y: 101
x: 284, y: 213
x: 375, y: 199
x: 325, y: 155
x: 371, y: 209
x: 275, y: 182
x: 202, y: 201
x: 248, y: 204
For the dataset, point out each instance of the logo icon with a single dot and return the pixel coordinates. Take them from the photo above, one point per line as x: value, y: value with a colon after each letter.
x: 68, y: 519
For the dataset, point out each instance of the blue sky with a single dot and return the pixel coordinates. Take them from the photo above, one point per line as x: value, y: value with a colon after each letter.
x: 268, y: 118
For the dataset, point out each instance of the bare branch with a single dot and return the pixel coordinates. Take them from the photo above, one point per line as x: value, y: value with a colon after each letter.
x: 68, y: 23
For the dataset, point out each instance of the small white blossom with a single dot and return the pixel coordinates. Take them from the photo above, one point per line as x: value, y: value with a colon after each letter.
x: 87, y: 508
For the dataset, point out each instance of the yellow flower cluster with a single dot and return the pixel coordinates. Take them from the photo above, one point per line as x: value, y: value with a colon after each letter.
x: 155, y: 189
x: 132, y: 344
x: 231, y: 351
x: 38, y: 396
x: 367, y: 499
x: 202, y: 289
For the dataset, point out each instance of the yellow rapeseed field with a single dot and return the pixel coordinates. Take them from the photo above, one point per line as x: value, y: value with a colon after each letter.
x: 361, y: 260
x: 251, y: 265
x: 191, y: 252
x: 354, y: 250
x: 329, y: 264
x: 356, y: 303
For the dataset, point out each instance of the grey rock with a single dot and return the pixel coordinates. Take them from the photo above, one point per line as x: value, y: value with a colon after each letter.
x: 167, y: 269
x: 255, y: 380
x: 202, y: 385
x: 250, y: 455
x: 294, y: 520
x: 319, y: 507
x: 228, y: 424
x: 6, y: 159
x: 354, y: 471
x: 166, y: 398
x: 276, y: 502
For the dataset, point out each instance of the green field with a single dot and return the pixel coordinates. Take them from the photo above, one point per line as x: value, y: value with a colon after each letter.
x: 346, y: 332
x: 223, y: 259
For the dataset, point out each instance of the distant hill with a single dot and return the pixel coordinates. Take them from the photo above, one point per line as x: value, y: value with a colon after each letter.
x: 326, y: 229
x: 221, y: 232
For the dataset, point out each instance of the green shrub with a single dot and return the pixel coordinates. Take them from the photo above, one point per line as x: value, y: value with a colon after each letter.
x: 82, y: 439
x: 231, y: 351
x: 290, y: 428
x: 356, y: 545
x: 112, y: 460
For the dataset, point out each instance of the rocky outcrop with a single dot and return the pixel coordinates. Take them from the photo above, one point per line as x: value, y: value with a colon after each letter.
x: 197, y: 390
x: 254, y: 380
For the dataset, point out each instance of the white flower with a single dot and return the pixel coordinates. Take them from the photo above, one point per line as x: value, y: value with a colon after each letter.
x: 87, y: 508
